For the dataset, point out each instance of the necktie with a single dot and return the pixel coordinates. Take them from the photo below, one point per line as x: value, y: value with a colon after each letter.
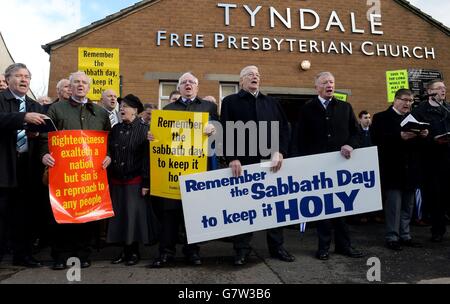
x: 113, y: 118
x: 325, y: 103
x: 22, y: 142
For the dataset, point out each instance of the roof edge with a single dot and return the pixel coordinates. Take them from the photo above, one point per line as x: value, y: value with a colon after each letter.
x: 97, y: 24
x: 142, y: 4
x: 442, y: 27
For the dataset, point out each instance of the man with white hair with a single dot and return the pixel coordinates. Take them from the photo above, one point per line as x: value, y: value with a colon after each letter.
x: 74, y: 239
x: 172, y: 218
x: 3, y: 84
x: 250, y: 105
x: 327, y: 125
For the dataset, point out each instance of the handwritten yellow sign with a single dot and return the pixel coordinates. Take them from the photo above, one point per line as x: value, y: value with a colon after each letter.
x: 396, y: 80
x: 103, y: 67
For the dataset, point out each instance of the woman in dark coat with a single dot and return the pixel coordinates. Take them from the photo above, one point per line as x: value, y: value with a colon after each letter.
x: 129, y: 182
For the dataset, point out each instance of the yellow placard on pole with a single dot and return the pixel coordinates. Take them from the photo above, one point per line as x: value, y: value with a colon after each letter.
x: 340, y: 96
x: 180, y: 147
x: 396, y: 80
x: 103, y: 67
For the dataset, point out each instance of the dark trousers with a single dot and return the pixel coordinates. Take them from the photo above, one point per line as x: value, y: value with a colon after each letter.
x: 436, y: 194
x: 172, y: 221
x: 73, y: 240
x: 5, y: 195
x: 274, y: 237
x: 16, y: 211
x: 341, y: 234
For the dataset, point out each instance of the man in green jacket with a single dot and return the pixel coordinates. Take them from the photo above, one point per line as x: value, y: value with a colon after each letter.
x: 77, y: 113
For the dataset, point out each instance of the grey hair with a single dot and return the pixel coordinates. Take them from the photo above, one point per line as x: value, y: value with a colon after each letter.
x: 15, y: 67
x: 79, y: 73
x: 185, y: 74
x: 60, y: 84
x: 244, y: 70
x: 321, y: 74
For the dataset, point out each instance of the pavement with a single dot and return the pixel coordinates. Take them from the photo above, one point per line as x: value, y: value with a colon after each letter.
x: 427, y: 265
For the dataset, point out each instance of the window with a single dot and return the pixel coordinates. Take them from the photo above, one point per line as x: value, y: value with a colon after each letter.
x: 165, y: 88
x: 227, y: 89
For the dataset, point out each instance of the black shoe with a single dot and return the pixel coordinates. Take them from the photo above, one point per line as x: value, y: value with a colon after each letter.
x: 282, y: 254
x: 322, y: 255
x: 85, y: 264
x: 241, y: 257
x: 393, y: 245
x: 437, y: 238
x: 132, y: 260
x: 120, y: 259
x: 350, y: 252
x: 410, y: 243
x: 162, y: 261
x: 27, y: 261
x: 59, y: 265
x: 194, y: 259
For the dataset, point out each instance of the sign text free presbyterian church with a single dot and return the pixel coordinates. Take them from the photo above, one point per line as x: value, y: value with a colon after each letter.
x: 290, y: 44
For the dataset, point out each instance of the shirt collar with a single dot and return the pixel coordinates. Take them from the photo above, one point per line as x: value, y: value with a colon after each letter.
x: 322, y: 100
x: 82, y: 101
x: 17, y: 96
x: 397, y: 111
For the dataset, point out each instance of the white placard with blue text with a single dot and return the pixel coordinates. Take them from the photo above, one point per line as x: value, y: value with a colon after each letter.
x: 306, y: 189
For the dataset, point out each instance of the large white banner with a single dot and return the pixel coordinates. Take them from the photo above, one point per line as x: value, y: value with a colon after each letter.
x: 306, y: 189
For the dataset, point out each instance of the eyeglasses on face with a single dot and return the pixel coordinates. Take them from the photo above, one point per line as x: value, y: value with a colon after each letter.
x: 188, y: 81
x: 409, y: 100
x: 252, y: 74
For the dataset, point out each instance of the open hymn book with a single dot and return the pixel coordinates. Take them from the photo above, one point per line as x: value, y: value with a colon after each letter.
x: 410, y: 124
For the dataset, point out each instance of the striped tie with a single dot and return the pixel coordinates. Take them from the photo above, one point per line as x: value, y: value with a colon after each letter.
x: 113, y: 118
x: 22, y: 142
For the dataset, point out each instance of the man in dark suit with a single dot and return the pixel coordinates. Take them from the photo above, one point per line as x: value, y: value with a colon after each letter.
x: 19, y: 163
x: 435, y: 156
x: 247, y: 106
x: 399, y: 168
x: 171, y: 212
x: 326, y: 125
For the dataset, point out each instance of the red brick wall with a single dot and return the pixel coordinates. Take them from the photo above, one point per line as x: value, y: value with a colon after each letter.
x: 135, y: 35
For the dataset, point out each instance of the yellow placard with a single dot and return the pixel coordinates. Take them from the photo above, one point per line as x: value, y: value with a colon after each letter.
x: 180, y: 147
x: 103, y: 67
x: 396, y: 80
x: 340, y: 96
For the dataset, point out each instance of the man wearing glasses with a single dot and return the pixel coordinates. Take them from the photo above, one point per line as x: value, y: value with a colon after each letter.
x: 399, y: 168
x: 250, y: 105
x: 172, y: 213
x: 436, y: 155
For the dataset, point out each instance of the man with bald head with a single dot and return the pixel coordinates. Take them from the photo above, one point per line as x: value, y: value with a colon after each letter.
x: 109, y: 102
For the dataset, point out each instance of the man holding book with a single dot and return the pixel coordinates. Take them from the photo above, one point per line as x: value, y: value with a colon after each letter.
x: 435, y: 156
x: 399, y: 168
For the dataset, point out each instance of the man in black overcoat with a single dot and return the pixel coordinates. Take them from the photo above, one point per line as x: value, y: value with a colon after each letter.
x: 327, y: 125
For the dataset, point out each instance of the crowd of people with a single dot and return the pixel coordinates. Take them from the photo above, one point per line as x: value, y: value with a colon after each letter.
x: 409, y: 159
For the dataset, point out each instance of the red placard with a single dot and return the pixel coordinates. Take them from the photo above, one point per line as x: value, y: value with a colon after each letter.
x: 79, y: 190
